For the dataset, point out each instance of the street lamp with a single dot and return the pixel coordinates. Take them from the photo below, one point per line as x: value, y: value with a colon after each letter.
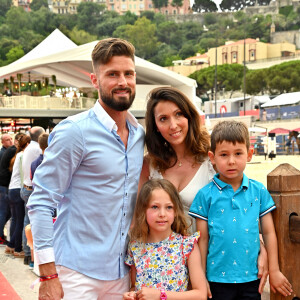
x: 216, y: 75
x: 244, y: 85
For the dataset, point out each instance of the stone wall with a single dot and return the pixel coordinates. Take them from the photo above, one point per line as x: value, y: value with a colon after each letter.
x: 292, y: 36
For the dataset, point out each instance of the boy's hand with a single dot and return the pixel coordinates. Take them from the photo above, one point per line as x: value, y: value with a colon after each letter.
x: 278, y: 282
x: 209, y: 295
x: 129, y: 296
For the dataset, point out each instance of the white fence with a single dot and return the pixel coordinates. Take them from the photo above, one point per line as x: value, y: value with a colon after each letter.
x: 33, y: 102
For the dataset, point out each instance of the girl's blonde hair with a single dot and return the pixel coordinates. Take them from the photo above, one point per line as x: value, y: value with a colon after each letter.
x: 140, y: 229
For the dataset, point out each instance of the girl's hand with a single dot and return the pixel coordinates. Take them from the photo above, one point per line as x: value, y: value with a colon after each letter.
x: 209, y: 295
x: 148, y: 294
x: 279, y: 282
x: 129, y: 296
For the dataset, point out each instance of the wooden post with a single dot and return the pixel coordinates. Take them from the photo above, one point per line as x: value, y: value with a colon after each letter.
x: 284, y: 186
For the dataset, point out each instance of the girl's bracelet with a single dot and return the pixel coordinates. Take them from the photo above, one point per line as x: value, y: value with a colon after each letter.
x: 45, y: 278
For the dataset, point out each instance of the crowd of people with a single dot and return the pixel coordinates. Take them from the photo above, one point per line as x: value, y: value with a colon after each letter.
x: 18, y: 160
x: 180, y: 222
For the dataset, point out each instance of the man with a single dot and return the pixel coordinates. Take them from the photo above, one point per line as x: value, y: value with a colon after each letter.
x: 5, y: 175
x: 6, y: 141
x: 31, y: 153
x: 90, y: 172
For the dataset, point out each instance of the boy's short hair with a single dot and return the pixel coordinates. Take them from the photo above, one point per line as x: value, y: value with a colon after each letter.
x: 107, y: 48
x: 230, y: 131
x: 43, y: 141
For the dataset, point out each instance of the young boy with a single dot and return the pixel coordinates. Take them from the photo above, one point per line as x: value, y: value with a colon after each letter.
x: 228, y: 211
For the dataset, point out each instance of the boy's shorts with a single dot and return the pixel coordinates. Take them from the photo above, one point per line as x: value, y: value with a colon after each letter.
x: 235, y: 291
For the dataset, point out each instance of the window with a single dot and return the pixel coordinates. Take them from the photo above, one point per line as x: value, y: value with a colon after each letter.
x: 150, y: 5
x: 252, y: 55
x: 225, y: 60
x: 166, y: 12
x: 174, y: 12
x: 141, y: 5
x: 234, y: 57
x: 124, y: 7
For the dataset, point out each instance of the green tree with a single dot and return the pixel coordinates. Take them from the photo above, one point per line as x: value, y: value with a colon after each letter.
x: 160, y: 3
x: 204, y: 6
x: 110, y: 21
x: 4, y: 7
x: 5, y: 45
x: 256, y: 81
x: 177, y: 4
x: 165, y: 30
x: 81, y: 37
x: 43, y: 21
x: 229, y: 77
x: 37, y: 4
x: 142, y: 35
x: 14, y: 54
x: 88, y: 15
x: 19, y: 77
x: 18, y: 21
x: 129, y: 18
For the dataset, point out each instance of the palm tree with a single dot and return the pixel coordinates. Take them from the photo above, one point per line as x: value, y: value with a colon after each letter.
x: 53, y: 77
x: 19, y: 76
x: 5, y: 83
x: 12, y: 81
x: 46, y: 84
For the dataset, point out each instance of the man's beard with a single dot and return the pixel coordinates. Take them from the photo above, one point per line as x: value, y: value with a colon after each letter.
x: 119, y: 105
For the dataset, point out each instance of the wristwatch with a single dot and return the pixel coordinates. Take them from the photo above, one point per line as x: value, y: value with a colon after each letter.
x: 163, y: 294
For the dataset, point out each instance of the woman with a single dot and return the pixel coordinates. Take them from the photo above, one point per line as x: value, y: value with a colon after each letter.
x: 16, y: 203
x: 177, y: 147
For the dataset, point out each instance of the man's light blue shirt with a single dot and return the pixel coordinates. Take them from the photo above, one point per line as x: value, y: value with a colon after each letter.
x: 92, y: 179
x: 233, y: 228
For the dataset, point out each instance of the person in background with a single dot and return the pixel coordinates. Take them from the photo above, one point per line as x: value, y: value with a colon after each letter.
x: 43, y: 143
x: 16, y: 203
x: 228, y: 211
x: 5, y: 175
x: 30, y: 154
x: 7, y: 141
x: 90, y: 173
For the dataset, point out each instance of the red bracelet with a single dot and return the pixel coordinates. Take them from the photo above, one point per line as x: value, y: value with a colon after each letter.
x: 45, y: 278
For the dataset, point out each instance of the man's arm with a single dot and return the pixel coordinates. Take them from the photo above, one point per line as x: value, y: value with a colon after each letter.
x: 50, y: 289
x: 278, y: 281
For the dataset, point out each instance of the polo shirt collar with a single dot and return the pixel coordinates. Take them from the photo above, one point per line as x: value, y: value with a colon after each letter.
x: 221, y: 185
x: 108, y: 122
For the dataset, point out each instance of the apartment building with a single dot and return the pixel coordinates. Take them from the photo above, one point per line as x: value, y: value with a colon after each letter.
x: 120, y: 6
x: 233, y: 53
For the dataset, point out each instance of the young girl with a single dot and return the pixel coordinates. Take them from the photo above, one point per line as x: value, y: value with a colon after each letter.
x: 162, y: 258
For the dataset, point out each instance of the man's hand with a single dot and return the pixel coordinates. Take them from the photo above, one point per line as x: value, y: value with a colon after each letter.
x: 51, y: 290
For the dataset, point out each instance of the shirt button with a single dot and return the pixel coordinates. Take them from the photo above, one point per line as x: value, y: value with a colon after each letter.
x: 126, y: 194
x: 124, y: 214
x: 122, y: 233
x: 121, y: 254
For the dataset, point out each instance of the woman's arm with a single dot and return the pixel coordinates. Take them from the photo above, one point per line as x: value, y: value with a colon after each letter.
x: 197, y: 278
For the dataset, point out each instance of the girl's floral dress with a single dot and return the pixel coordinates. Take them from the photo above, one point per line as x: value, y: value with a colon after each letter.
x: 163, y: 264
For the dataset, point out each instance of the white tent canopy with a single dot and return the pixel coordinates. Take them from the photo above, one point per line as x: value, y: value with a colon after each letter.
x: 72, y: 67
x: 284, y: 99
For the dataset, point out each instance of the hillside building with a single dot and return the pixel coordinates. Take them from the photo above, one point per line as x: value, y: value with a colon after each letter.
x: 120, y: 6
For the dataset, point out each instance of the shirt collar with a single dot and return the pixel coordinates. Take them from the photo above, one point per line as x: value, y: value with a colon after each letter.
x: 221, y: 184
x: 108, y: 122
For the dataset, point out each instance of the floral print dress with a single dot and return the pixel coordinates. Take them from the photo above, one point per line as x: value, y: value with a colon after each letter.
x: 163, y: 264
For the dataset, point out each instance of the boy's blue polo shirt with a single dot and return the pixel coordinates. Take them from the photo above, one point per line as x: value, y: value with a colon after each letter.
x: 233, y: 227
